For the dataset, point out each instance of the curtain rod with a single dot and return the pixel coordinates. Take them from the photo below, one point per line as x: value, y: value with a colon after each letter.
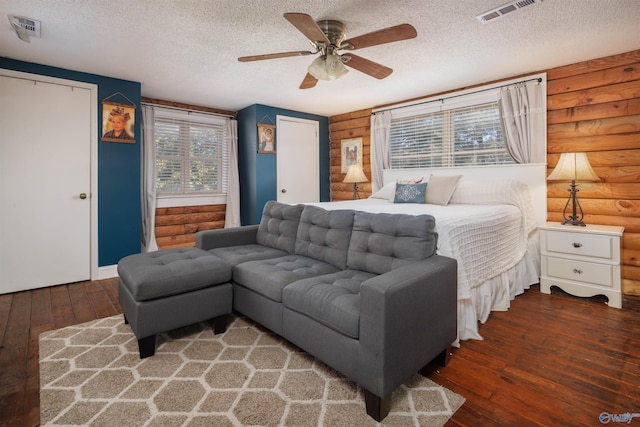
x: 538, y: 79
x: 150, y: 104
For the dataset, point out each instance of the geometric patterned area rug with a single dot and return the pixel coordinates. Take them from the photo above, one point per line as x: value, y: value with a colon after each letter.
x: 91, y: 374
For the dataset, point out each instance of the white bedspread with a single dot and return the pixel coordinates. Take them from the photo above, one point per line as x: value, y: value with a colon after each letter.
x: 485, y: 239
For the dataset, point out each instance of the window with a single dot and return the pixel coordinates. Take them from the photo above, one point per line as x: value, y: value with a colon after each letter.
x: 191, y: 154
x: 463, y: 136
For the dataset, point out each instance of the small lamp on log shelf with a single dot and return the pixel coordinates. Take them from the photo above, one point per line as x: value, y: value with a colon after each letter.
x: 355, y: 174
x: 573, y: 167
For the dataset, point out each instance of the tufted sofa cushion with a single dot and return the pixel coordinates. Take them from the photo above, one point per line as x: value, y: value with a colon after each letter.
x: 383, y: 242
x: 332, y: 299
x: 171, y: 272
x: 268, y: 277
x: 324, y: 235
x: 235, y: 255
x: 279, y: 225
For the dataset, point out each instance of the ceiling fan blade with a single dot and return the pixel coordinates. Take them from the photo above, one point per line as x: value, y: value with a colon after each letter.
x: 366, y: 66
x: 307, y: 26
x: 308, y: 82
x: 386, y: 35
x: 274, y: 56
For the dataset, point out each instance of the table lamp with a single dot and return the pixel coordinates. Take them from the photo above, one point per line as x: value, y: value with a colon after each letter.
x: 355, y: 174
x: 573, y: 167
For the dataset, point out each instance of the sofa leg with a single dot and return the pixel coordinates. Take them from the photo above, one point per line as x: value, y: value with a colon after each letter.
x: 219, y: 324
x: 126, y: 321
x: 377, y: 407
x: 147, y: 346
x: 443, y: 358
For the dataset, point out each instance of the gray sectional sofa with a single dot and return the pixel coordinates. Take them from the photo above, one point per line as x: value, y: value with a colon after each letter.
x: 364, y: 293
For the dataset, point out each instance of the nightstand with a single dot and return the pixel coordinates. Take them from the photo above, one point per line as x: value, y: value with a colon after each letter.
x: 582, y: 261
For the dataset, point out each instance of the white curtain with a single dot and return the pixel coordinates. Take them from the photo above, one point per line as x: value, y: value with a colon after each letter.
x: 380, y: 126
x: 522, y: 111
x: 232, y: 216
x: 148, y: 180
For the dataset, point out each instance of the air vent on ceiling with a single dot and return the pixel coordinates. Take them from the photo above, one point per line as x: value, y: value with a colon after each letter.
x: 500, y: 11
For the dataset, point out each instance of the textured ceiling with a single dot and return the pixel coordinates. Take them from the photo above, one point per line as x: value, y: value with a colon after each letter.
x: 186, y: 50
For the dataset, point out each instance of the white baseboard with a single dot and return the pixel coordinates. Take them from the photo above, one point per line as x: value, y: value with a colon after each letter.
x: 107, y: 272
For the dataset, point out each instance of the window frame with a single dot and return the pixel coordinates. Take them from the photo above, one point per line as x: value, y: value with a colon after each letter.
x: 460, y: 99
x: 165, y: 200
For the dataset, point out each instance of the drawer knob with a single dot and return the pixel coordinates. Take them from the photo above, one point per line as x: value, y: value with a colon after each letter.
x: 575, y: 270
x: 577, y: 245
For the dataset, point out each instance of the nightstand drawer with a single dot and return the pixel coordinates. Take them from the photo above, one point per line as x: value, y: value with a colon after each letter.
x: 587, y: 272
x: 579, y: 244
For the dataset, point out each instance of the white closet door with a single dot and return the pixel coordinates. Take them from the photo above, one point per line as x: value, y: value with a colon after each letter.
x: 297, y: 146
x: 45, y: 171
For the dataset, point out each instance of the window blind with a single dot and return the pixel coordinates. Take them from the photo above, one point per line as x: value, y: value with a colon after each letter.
x: 469, y: 135
x: 191, y: 154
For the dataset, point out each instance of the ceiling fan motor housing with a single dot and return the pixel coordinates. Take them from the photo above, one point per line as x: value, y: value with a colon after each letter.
x: 335, y: 31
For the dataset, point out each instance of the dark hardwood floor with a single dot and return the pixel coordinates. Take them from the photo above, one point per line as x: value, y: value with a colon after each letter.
x: 550, y: 360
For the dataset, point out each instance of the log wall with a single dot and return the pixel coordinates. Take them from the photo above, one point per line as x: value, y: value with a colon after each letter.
x: 177, y: 227
x: 592, y: 106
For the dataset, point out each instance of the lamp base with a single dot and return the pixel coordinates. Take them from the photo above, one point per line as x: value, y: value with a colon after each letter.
x: 574, y: 218
x: 574, y: 222
x: 355, y: 191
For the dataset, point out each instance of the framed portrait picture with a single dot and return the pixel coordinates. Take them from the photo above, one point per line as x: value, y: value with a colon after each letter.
x: 351, y: 153
x: 118, y: 122
x: 266, y: 139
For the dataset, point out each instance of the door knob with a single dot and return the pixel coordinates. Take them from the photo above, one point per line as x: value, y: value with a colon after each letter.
x: 284, y: 190
x: 83, y: 196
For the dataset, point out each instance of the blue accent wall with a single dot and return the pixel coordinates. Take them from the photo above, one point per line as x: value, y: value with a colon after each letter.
x: 118, y: 165
x: 258, y: 177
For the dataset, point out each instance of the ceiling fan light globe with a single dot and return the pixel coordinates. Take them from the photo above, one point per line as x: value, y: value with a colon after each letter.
x: 318, y: 69
x: 334, y: 67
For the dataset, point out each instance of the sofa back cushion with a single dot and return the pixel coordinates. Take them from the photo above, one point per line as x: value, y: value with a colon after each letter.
x: 279, y: 226
x: 382, y: 242
x: 324, y: 235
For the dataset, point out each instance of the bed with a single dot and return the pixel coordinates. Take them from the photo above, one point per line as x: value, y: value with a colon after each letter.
x: 489, y: 226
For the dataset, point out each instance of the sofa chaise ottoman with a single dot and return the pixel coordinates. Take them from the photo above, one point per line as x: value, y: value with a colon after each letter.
x: 168, y: 289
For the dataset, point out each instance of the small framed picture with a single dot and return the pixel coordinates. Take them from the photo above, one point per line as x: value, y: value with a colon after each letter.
x: 266, y: 139
x: 351, y: 153
x: 118, y: 122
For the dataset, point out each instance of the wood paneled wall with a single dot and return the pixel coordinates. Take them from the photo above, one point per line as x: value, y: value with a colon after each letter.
x: 345, y: 126
x: 592, y: 106
x: 177, y: 227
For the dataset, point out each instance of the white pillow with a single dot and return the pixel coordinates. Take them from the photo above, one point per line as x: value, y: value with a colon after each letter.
x: 440, y: 188
x: 387, y: 192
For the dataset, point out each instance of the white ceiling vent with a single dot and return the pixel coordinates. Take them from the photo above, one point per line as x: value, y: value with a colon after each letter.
x: 25, y: 27
x: 500, y: 11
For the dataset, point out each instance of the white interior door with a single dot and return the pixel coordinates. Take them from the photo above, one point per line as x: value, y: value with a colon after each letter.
x: 45, y: 173
x: 297, y: 146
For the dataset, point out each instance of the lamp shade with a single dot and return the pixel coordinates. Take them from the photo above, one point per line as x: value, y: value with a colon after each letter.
x: 335, y: 67
x: 318, y: 69
x: 327, y: 67
x: 355, y: 174
x: 573, y: 167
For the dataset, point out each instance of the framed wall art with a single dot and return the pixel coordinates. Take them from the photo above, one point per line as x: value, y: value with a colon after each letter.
x: 266, y: 139
x: 118, y: 122
x: 350, y: 153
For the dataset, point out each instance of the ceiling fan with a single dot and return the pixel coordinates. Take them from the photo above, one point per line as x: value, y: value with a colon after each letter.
x: 328, y: 38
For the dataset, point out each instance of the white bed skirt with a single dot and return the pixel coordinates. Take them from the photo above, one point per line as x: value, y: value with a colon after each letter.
x: 497, y: 293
